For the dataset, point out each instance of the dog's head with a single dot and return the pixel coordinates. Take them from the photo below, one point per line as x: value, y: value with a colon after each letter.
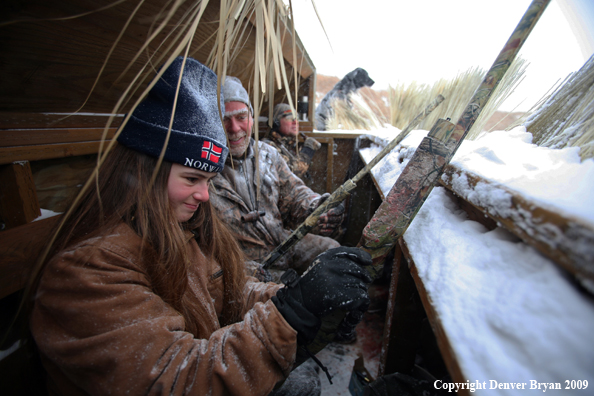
x: 354, y: 80
x: 361, y: 78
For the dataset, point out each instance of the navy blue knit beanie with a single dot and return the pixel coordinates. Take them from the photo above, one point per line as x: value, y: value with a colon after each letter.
x: 197, y: 138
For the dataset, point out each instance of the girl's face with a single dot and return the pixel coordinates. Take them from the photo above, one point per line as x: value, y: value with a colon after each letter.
x: 187, y: 188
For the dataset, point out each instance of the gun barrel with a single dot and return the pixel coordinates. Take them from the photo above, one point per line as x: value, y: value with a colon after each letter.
x: 424, y: 169
x: 344, y: 190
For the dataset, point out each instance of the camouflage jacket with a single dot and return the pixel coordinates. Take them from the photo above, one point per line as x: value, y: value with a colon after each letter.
x: 286, y: 147
x: 284, y: 200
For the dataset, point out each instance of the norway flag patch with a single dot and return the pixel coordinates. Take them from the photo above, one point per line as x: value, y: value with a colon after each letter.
x: 211, y: 152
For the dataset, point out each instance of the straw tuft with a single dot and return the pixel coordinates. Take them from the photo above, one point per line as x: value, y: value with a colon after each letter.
x: 408, y: 101
x: 566, y: 118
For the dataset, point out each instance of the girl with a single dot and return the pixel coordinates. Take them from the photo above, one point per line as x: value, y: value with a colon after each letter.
x: 144, y: 290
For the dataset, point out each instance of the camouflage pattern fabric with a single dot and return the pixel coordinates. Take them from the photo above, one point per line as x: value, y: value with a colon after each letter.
x: 284, y: 200
x: 286, y: 147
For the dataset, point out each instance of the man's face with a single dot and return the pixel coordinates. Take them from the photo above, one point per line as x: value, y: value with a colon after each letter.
x: 238, y: 125
x: 289, y: 126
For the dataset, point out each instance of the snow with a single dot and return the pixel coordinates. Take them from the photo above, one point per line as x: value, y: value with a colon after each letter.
x: 510, y: 314
x: 46, y: 213
x: 552, y: 177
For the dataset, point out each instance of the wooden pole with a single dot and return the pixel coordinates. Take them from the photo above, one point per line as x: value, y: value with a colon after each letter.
x: 426, y: 166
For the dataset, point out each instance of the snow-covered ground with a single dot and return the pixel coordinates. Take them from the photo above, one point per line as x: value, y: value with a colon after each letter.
x: 511, y: 315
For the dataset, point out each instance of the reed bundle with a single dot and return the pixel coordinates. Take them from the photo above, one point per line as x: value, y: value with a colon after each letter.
x: 566, y: 118
x: 354, y: 114
x: 406, y: 101
x: 170, y: 29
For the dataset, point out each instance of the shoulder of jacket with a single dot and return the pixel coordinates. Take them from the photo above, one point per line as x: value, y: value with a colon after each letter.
x: 265, y: 145
x: 268, y: 149
x: 121, y: 240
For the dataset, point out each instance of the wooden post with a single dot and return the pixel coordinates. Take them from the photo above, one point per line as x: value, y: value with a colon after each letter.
x: 18, y: 198
x: 311, y: 111
x: 330, y: 166
x: 403, y: 320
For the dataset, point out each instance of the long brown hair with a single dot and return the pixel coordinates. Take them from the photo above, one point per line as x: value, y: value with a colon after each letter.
x: 123, y: 192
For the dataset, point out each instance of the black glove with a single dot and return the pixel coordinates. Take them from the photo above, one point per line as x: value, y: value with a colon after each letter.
x: 309, y: 148
x: 331, y: 220
x: 335, y: 281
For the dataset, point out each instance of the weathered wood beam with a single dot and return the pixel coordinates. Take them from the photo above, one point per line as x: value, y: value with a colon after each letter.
x: 333, y: 135
x: 20, y: 121
x: 19, y: 248
x: 18, y: 198
x: 330, y: 166
x: 47, y: 151
x: 311, y: 97
x: 29, y: 137
x: 302, y: 62
x: 566, y: 240
x: 445, y: 347
x: 40, y: 144
x: 404, y: 316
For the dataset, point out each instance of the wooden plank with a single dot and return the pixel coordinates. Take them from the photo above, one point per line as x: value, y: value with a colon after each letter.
x: 375, y: 182
x: 305, y: 127
x: 47, y: 151
x: 11, y: 120
x: 50, y: 62
x: 51, y: 66
x: 27, y: 137
x: 473, y: 213
x: 59, y: 180
x: 334, y: 135
x: 567, y: 241
x: 445, y: 347
x: 311, y: 114
x: 404, y: 315
x: 330, y: 166
x: 18, y: 200
x: 19, y: 249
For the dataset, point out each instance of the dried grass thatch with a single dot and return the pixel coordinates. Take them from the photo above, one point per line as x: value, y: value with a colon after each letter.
x: 146, y: 34
x: 408, y: 101
x: 264, y: 16
x: 566, y: 118
x: 356, y: 114
x: 174, y: 38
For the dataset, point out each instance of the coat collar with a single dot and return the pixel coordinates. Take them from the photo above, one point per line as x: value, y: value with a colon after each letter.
x: 287, y: 141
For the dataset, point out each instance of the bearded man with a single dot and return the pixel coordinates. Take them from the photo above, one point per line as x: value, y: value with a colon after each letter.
x: 262, y: 217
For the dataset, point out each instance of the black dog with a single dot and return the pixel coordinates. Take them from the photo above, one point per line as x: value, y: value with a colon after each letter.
x: 354, y: 80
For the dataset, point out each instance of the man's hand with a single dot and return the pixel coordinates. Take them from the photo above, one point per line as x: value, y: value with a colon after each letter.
x: 309, y: 148
x: 331, y: 220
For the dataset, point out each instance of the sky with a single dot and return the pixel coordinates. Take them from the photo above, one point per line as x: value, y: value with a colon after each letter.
x: 510, y: 314
x: 426, y: 40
